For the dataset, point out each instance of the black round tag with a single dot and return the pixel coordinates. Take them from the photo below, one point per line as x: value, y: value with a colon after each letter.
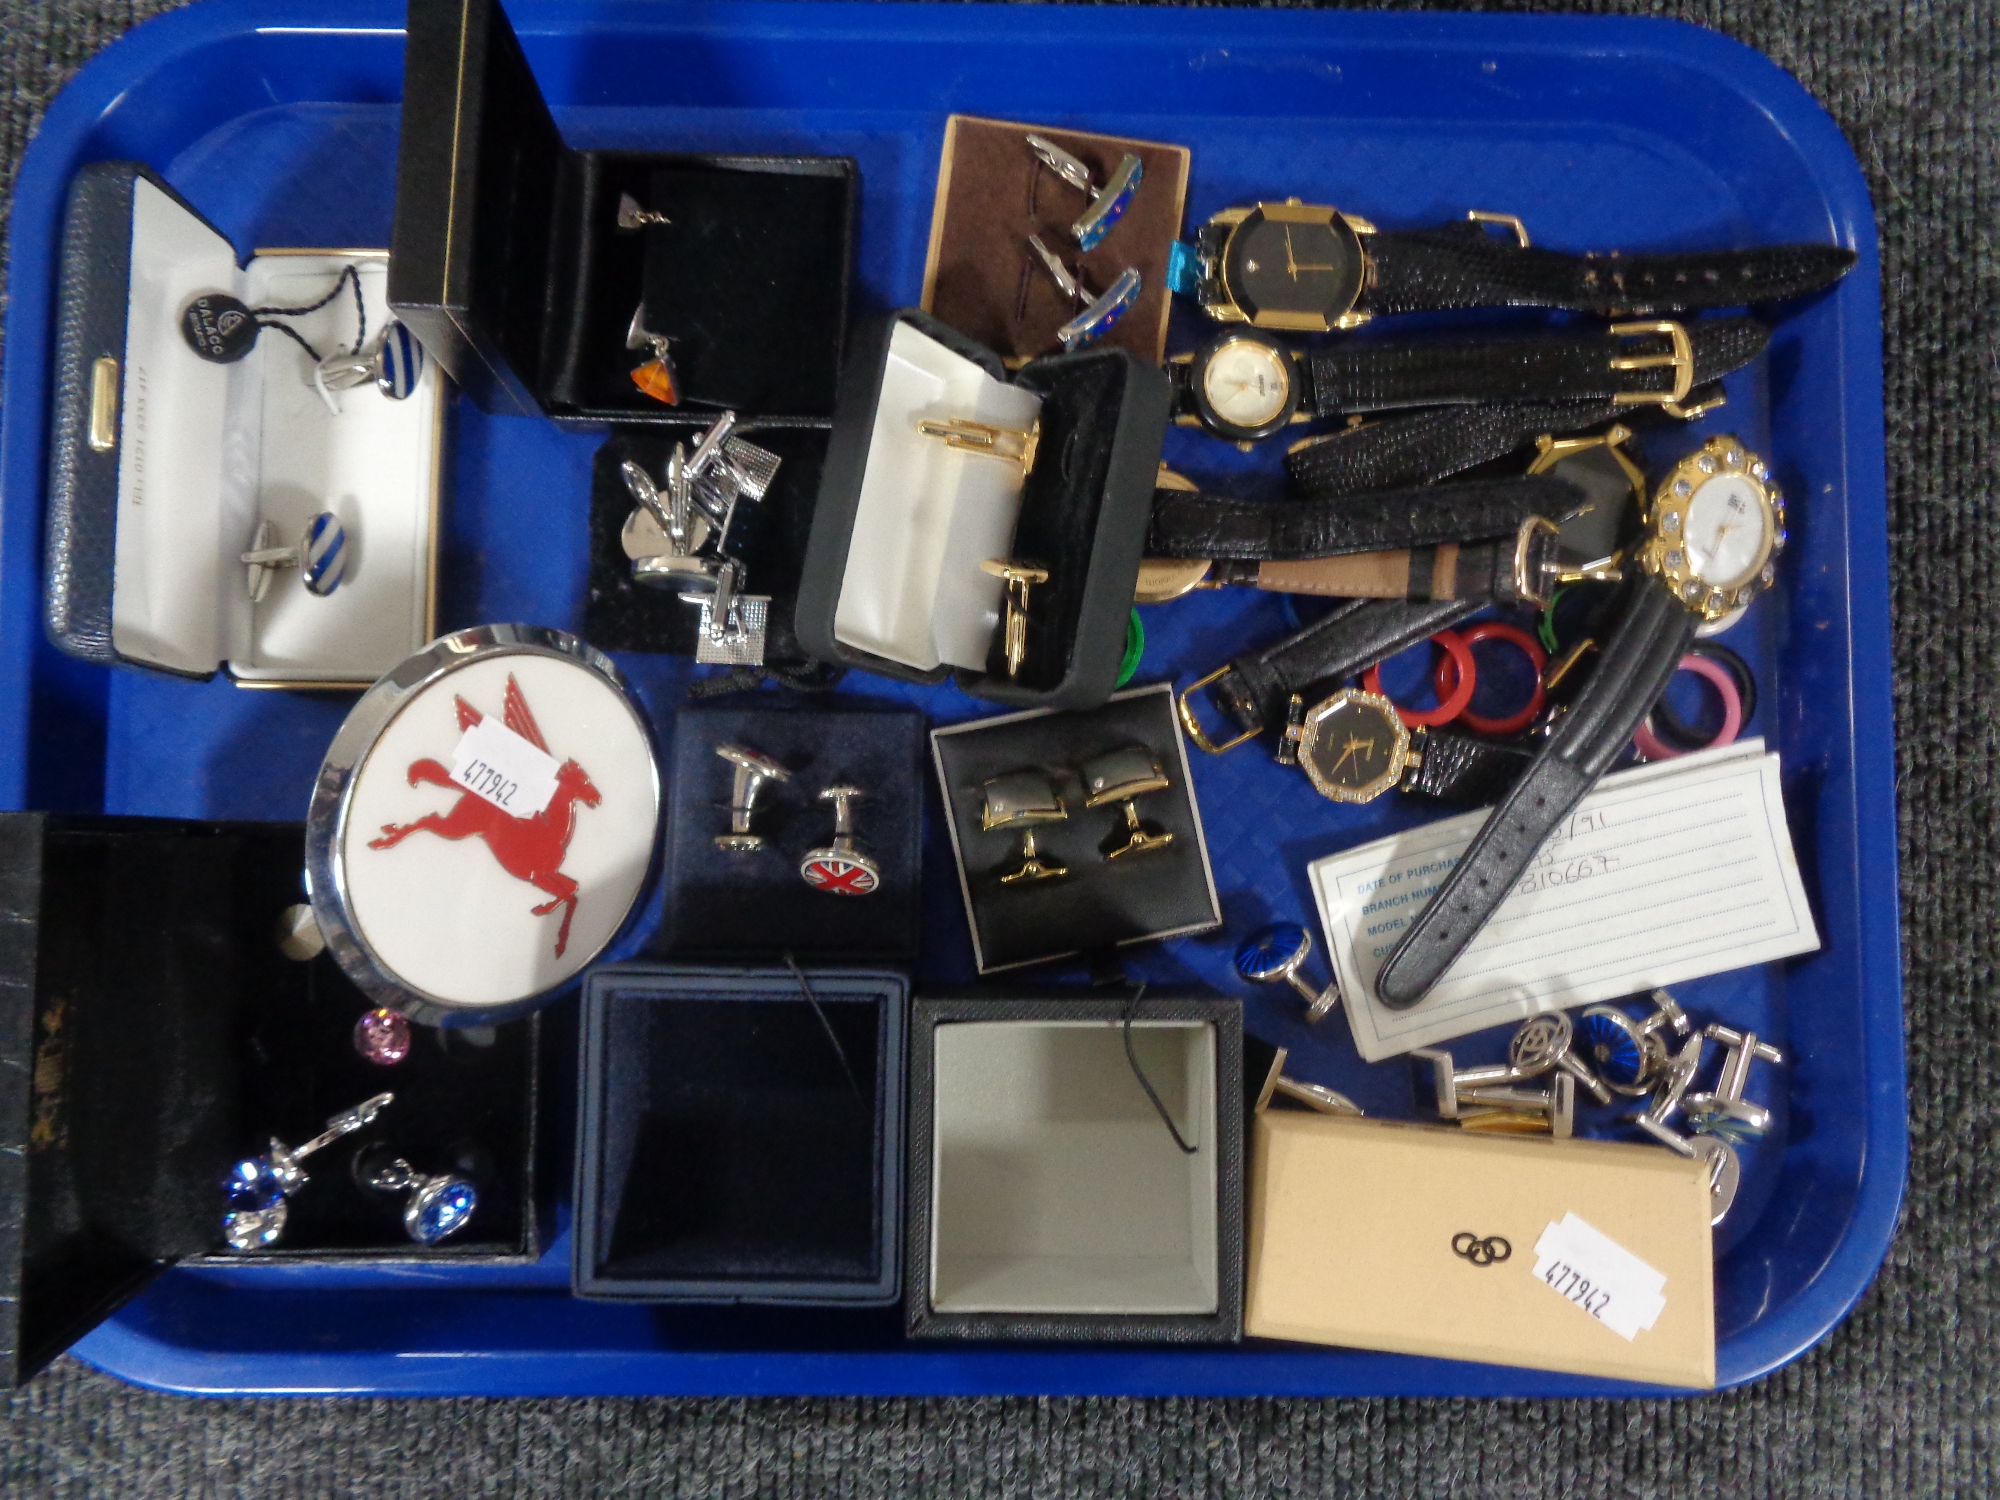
x: 219, y: 328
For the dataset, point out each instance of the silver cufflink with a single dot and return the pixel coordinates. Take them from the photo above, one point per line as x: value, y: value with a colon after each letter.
x: 1274, y: 956
x: 1547, y: 1042
x: 633, y: 215
x: 392, y: 362
x: 1122, y: 776
x: 1669, y: 1087
x: 256, y: 1188
x: 1315, y: 1096
x: 438, y: 1206
x: 1024, y: 799
x: 1488, y: 1098
x: 1629, y: 1055
x: 753, y: 772
x: 320, y: 556
x: 689, y: 521
x: 1107, y: 204
x: 841, y: 868
x: 1101, y: 313
x: 1725, y: 1112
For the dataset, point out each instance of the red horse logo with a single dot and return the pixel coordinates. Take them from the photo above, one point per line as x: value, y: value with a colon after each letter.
x: 529, y: 849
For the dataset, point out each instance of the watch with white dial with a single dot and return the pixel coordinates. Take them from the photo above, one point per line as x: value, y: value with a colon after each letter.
x: 1242, y: 385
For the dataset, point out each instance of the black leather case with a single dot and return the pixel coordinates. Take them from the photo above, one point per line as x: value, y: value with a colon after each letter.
x: 1101, y: 904
x: 151, y: 1034
x: 508, y: 264
x: 1084, y: 512
x: 79, y: 544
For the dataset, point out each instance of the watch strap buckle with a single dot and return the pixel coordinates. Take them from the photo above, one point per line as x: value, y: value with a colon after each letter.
x: 1505, y: 221
x: 1192, y: 724
x: 1534, y: 574
x: 1679, y: 359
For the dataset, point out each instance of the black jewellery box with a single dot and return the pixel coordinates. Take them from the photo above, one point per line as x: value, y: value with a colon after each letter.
x: 165, y: 467
x: 1101, y: 903
x: 1075, y: 1170
x: 893, y: 581
x: 740, y: 1134
x: 757, y: 903
x: 510, y: 263
x: 153, y: 1034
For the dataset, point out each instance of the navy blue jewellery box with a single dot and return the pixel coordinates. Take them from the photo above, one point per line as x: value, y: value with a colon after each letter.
x: 740, y: 1134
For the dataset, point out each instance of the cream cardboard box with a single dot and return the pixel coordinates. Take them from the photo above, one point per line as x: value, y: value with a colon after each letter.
x: 1422, y: 1239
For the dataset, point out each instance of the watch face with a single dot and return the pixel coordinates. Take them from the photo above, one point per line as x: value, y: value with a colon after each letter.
x: 1354, y: 746
x: 1291, y: 266
x: 1717, y: 523
x: 1728, y: 531
x: 1247, y: 387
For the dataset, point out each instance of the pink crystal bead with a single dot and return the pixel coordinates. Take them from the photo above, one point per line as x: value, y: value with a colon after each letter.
x: 383, y: 1037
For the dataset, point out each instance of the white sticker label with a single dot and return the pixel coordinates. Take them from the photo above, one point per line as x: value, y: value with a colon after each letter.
x: 1587, y: 1268
x: 513, y: 774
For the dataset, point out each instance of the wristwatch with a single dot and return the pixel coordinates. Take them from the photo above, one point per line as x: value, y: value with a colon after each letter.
x: 1354, y: 746
x: 1188, y: 523
x: 1309, y: 268
x: 1244, y: 384
x: 1714, y: 528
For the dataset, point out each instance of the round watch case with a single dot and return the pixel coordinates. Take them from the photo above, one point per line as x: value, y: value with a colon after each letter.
x: 436, y: 900
x: 1720, y: 489
x: 1244, y: 385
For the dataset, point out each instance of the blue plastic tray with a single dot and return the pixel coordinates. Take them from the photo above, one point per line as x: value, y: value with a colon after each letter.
x: 278, y: 119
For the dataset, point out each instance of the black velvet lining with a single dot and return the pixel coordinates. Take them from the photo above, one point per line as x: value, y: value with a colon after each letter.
x: 1100, y: 902
x: 770, y: 538
x: 757, y: 903
x: 750, y: 282
x: 1061, y: 502
x: 737, y: 1155
x: 185, y: 1040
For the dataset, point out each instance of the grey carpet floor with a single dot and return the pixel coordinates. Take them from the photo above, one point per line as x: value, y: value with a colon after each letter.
x: 1897, y: 1402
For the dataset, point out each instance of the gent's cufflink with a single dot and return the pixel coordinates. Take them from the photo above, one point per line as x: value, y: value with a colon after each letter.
x: 841, y: 868
x: 633, y: 215
x: 1100, y: 313
x: 256, y: 1188
x: 1725, y: 1112
x: 438, y: 1206
x: 393, y: 363
x: 753, y: 771
x: 1629, y: 1055
x: 1274, y: 956
x: 1547, y: 1042
x: 320, y: 557
x: 1122, y: 776
x: 1024, y: 799
x: 1016, y: 445
x: 1107, y: 204
x: 1019, y: 578
x: 1669, y: 1088
x: 654, y: 377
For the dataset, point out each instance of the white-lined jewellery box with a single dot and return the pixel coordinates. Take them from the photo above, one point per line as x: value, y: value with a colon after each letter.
x: 166, y: 467
x: 941, y: 462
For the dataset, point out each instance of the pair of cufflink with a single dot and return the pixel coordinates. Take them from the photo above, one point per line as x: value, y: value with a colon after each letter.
x: 1027, y: 798
x: 841, y: 868
x: 1100, y: 311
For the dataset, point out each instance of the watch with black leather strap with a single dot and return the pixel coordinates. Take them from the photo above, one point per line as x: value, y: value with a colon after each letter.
x: 1309, y: 268
x: 1354, y: 746
x: 1251, y: 691
x: 1188, y: 523
x: 1715, y: 525
x: 1243, y: 384
x: 1516, y: 571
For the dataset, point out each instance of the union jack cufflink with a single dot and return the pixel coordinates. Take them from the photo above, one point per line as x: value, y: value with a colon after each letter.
x: 841, y: 868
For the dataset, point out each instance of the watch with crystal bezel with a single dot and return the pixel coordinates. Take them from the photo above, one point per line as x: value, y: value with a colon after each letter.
x: 1716, y: 527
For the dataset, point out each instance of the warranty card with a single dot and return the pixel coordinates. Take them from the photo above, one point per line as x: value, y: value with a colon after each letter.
x: 1665, y: 873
